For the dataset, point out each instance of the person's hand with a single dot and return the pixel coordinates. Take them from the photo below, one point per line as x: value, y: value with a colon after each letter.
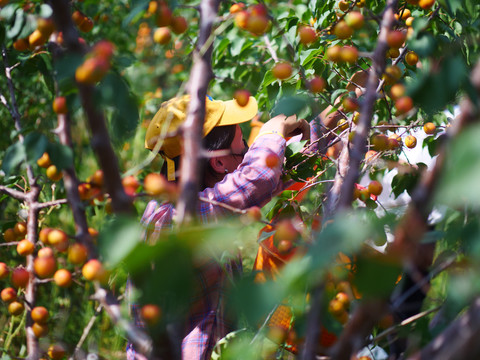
x: 287, y: 126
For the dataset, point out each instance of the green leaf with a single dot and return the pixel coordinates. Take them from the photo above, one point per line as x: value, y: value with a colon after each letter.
x: 118, y: 239
x: 14, y: 156
x: 138, y: 7
x: 60, y: 155
x: 290, y: 105
x: 423, y: 44
x: 17, y: 26
x: 35, y: 146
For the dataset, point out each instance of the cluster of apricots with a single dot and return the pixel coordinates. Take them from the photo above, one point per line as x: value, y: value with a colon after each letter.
x: 45, y: 28
x: 253, y: 18
x: 371, y: 191
x: 165, y: 21
x: 96, y: 64
x: 51, y: 170
x: 83, y: 22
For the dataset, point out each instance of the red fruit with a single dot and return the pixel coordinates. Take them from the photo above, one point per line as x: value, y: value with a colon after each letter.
x: 396, y: 38
x: 20, y: 229
x: 4, y: 271
x: 155, y: 184
x: 130, y: 181
x: 8, y: 294
x: 150, y: 314
x: 242, y: 97
x: 77, y: 254
x: 44, y: 267
x: 375, y: 187
x: 178, y: 24
x: 164, y: 15
x: 404, y: 105
x: 78, y: 17
x: 349, y: 104
x: 86, y: 25
x: 56, y: 352
x: 25, y: 247
x: 20, y: 277
x: 40, y: 330
x: 342, y: 30
x: 272, y: 160
x: 60, y: 105
x: 104, y: 49
x: 307, y: 35
x: 92, y: 70
x: 241, y: 19
x: 39, y: 314
x: 282, y: 70
x: 258, y: 9
x: 317, y: 84
x: 257, y: 24
x: 93, y: 270
x: 63, y: 278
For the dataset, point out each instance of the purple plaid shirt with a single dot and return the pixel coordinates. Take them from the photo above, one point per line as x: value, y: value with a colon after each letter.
x: 251, y: 184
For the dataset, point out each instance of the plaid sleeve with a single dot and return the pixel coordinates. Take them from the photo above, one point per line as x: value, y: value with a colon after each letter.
x: 253, y: 183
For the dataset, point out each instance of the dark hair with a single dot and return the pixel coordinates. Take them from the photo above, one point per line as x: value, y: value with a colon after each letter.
x: 221, y: 137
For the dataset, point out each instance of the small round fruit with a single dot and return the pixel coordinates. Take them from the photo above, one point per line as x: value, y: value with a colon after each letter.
x: 20, y: 229
x: 396, y: 38
x: 77, y: 254
x: 284, y: 247
x: 392, y: 74
x: 56, y: 236
x: 272, y: 161
x: 178, y: 24
x: 40, y: 330
x: 282, y: 70
x: 60, y: 105
x: 9, y: 235
x: 257, y: 24
x: 411, y: 58
x: 355, y: 20
x: 21, y: 45
x: 20, y: 277
x: 342, y: 30
x: 379, y: 142
x: 404, y: 105
x: 39, y: 314
x: 429, y: 128
x: 375, y: 187
x: 93, y: 270
x: 86, y: 25
x: 16, y: 308
x: 343, y: 298
x: 8, y: 294
x: 397, y: 91
x: 349, y: 104
x: 317, y: 84
x: 56, y: 352
x: 342, y: 125
x: 333, y: 53
x: 155, y: 184
x: 164, y: 15
x: 4, y: 271
x: 410, y: 141
x: 336, y: 307
x: 45, y: 266
x: 25, y: 247
x: 97, y: 178
x: 285, y: 230
x: 45, y: 26
x: 78, y: 17
x: 409, y: 21
x: 44, y: 161
x: 162, y: 35
x: 241, y: 19
x: 343, y: 5
x: 53, y: 173
x: 151, y: 313
x: 43, y: 235
x: 45, y: 252
x: 254, y: 213
x: 63, y: 278
x: 236, y: 7
x: 393, y: 53
x: 307, y: 35
x: 349, y: 54
x: 242, y: 97
x: 426, y: 4
x: 36, y: 39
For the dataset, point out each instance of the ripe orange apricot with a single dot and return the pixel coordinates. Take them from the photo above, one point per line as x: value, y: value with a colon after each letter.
x: 21, y: 44
x: 426, y: 4
x: 44, y: 161
x: 164, y: 15
x: 56, y: 352
x: 397, y: 91
x: 404, y: 105
x: 396, y: 38
x: 20, y: 277
x: 342, y: 30
x: 375, y: 187
x: 39, y: 314
x: 16, y: 308
x: 45, y: 26
x: 333, y: 53
x: 86, y: 25
x: 355, y: 20
x: 272, y: 161
x: 236, y: 7
x: 343, y: 5
x: 8, y: 294
x: 410, y: 141
x: 411, y: 58
x: 162, y: 35
x: 56, y: 236
x: 284, y: 230
x: 78, y: 17
x: 4, y: 271
x: 392, y: 74
x: 155, y: 184
x: 429, y: 128
x: 284, y: 246
x: 44, y: 266
x: 307, y: 35
x: 60, y: 105
x: 36, y: 39
x: 349, y: 104
x: 92, y: 70
x: 178, y: 24
x: 45, y: 252
x: 40, y: 330
x: 9, y: 235
x: 241, y: 19
x: 92, y: 270
x: 53, y: 173
x: 25, y: 247
x: 77, y: 253
x: 43, y: 235
x: 242, y: 97
x: 63, y: 278
x: 20, y: 229
x: 257, y: 24
x: 282, y: 70
x: 317, y: 84
x: 349, y: 54
x: 151, y: 313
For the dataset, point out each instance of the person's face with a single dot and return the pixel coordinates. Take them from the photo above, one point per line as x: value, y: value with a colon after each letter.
x: 238, y: 148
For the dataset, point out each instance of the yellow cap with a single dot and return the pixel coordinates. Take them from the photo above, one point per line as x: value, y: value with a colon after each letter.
x: 173, y: 113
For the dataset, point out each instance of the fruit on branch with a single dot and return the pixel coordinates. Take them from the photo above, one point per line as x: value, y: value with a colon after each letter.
x: 103, y: 49
x: 60, y: 105
x: 20, y: 277
x: 426, y: 4
x: 342, y: 124
x: 284, y: 230
x: 178, y: 24
x: 43, y: 235
x: 162, y: 35
x: 45, y: 252
x: 235, y: 8
x: 44, y: 266
x: 429, y: 128
x: 254, y: 213
x: 349, y: 104
x: 25, y: 247
x: 375, y: 187
x: 285, y: 247
x: 155, y: 184
x: 397, y: 91
x: 342, y: 30
x: 396, y: 38
x: 242, y: 97
x: 56, y: 352
x: 392, y: 74
x: 356, y: 117
x: 40, y: 330
x: 241, y: 19
x: 92, y: 70
x: 343, y: 5
x: 163, y: 15
x: 379, y: 142
x: 39, y: 314
x: 8, y: 294
x: 45, y: 26
x: 282, y: 70
x: 56, y: 237
x: 44, y: 160
x: 404, y: 105
x: 409, y: 21
x: 93, y: 270
x: 77, y: 253
x: 20, y: 229
x: 86, y: 25
x: 257, y: 24
x: 272, y: 161
x: 355, y: 20
x: 36, y: 38
x: 93, y: 233
x: 317, y: 84
x: 333, y: 53
x: 4, y: 271
x: 151, y: 314
x: 9, y: 235
x: 78, y: 17
x: 16, y: 308
x: 393, y: 53
x: 307, y: 35
x: 97, y: 178
x: 349, y: 54
x: 63, y: 278
x: 53, y: 173
x: 411, y: 58
x: 394, y: 141
x: 410, y: 141
x: 21, y: 44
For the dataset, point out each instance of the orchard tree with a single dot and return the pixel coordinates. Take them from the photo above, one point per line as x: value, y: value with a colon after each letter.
x: 353, y: 272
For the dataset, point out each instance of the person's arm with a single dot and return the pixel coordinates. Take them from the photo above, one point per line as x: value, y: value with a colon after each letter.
x: 253, y: 183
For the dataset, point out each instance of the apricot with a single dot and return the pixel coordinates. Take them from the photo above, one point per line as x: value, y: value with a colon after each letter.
x: 93, y: 270
x: 155, y: 184
x: 342, y: 30
x: 282, y: 70
x: 20, y: 277
x: 178, y: 24
x: 77, y: 253
x: 9, y: 235
x: 45, y: 252
x: 151, y: 313
x: 410, y: 141
x: 4, y: 271
x: 21, y: 44
x: 241, y: 19
x: 307, y: 35
x: 254, y: 213
x: 333, y: 53
x: 60, y: 105
x: 8, y: 294
x: 257, y: 24
x: 236, y: 8
x: 44, y: 160
x: 404, y: 105
x: 45, y: 26
x: 284, y: 230
x: 349, y: 104
x: 164, y: 15
x: 56, y: 352
x: 272, y: 161
x: 40, y: 330
x: 16, y: 308
x: 25, y: 247
x: 162, y: 35
x: 44, y: 266
x: 396, y: 38
x: 36, y: 39
x: 63, y: 278
x: 317, y: 84
x: 411, y: 58
x: 355, y: 20
x: 39, y: 314
x: 375, y: 187
x: 242, y: 97
x: 349, y: 54
x: 20, y: 229
x: 429, y: 128
x: 53, y: 173
x: 426, y: 4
